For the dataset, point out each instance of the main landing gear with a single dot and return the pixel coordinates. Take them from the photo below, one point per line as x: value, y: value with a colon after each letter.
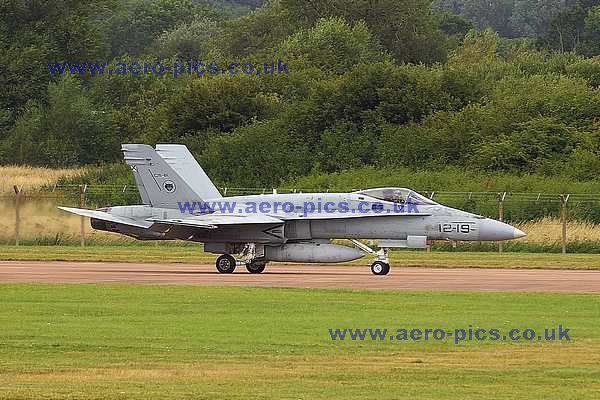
x: 381, y: 265
x: 255, y: 267
x: 226, y: 263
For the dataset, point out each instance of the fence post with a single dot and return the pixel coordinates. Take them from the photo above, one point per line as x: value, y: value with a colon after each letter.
x: 82, y: 190
x: 501, y: 198
x: 564, y: 199
x: 18, y: 190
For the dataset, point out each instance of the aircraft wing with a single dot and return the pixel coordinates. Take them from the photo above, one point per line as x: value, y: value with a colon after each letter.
x: 213, y: 221
x: 206, y: 221
x: 107, y: 217
x: 338, y: 215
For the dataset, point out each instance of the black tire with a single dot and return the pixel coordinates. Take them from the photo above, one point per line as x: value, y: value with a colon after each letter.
x: 380, y: 268
x: 255, y: 268
x: 225, y: 264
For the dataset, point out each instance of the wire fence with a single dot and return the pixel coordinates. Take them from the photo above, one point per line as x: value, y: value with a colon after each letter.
x: 31, y: 212
x: 53, y: 190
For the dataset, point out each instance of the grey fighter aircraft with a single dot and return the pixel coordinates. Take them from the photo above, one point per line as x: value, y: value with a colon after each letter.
x: 181, y: 203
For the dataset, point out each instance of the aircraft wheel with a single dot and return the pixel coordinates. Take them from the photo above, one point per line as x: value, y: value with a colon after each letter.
x: 255, y: 268
x: 226, y: 264
x: 380, y: 268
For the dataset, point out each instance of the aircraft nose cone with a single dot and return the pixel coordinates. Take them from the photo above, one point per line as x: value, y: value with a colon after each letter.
x: 519, y: 234
x: 492, y: 230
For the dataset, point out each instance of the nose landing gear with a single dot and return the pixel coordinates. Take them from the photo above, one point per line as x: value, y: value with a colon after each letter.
x: 380, y: 268
x: 381, y: 265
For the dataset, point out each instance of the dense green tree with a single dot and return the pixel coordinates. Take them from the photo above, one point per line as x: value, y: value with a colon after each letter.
x: 455, y: 27
x: 332, y: 45
x: 407, y: 29
x: 538, y: 145
x: 258, y: 31
x: 134, y: 27
x: 477, y: 48
x: 21, y: 145
x: 71, y: 130
x: 345, y: 146
x: 33, y: 33
x: 368, y: 84
x: 510, y: 18
x: 574, y: 28
x: 495, y: 14
x: 531, y: 17
x: 187, y: 41
x: 214, y: 104
x: 258, y: 154
x: 591, y: 39
x: 588, y: 69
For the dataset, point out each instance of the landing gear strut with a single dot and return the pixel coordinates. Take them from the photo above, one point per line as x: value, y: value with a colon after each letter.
x: 226, y: 264
x: 381, y: 265
x: 249, y: 255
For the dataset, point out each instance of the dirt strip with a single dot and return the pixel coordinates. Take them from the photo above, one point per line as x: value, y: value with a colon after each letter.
x: 305, y: 276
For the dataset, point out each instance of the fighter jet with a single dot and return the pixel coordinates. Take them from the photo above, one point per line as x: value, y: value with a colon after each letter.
x: 181, y: 203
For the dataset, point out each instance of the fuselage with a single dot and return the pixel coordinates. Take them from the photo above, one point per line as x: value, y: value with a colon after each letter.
x: 315, y: 216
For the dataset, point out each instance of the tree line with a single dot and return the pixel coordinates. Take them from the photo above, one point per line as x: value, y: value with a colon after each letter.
x: 413, y: 83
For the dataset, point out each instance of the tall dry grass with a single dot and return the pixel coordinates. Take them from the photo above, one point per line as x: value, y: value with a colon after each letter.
x: 549, y: 231
x: 41, y: 220
x: 33, y: 177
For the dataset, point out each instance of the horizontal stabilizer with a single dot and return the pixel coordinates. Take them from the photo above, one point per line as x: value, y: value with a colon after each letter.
x: 101, y: 215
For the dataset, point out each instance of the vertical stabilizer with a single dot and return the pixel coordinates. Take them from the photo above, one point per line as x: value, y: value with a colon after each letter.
x: 158, y: 183
x: 181, y: 160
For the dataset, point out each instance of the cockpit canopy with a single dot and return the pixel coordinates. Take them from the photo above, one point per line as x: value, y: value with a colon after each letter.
x: 397, y: 195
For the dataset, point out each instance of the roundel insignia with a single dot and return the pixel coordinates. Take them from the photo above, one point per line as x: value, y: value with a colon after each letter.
x: 169, y: 186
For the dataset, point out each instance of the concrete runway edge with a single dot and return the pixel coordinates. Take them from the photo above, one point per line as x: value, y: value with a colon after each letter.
x: 305, y: 276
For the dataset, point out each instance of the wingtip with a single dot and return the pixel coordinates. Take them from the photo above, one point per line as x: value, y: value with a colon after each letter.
x: 71, y: 209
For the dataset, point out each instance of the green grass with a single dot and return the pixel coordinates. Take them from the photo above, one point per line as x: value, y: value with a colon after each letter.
x: 173, y: 342
x: 118, y: 253
x: 194, y: 255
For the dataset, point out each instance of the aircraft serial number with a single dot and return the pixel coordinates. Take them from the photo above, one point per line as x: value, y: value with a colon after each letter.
x: 456, y: 228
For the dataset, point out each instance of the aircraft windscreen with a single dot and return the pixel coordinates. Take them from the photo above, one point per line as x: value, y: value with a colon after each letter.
x: 420, y: 199
x: 397, y: 195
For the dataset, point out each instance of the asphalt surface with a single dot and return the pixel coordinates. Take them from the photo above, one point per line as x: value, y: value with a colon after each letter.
x: 305, y: 276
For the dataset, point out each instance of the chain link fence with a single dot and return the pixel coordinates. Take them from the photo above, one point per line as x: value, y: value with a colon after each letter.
x: 31, y: 215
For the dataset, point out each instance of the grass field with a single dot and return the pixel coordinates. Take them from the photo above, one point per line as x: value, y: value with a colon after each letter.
x: 190, y: 254
x: 31, y: 178
x: 167, y: 342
